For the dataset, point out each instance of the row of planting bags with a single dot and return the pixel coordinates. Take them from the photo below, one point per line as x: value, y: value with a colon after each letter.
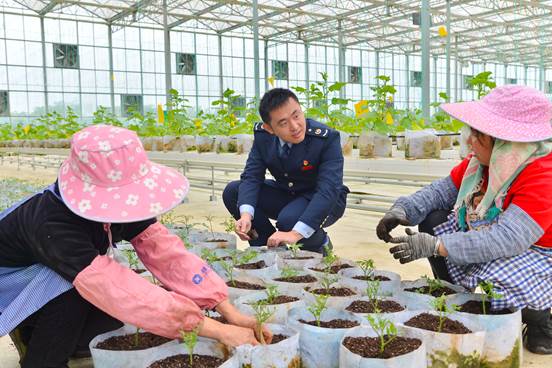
x: 415, y: 144
x: 495, y: 338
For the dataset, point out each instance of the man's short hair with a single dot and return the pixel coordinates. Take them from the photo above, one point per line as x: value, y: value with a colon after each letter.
x: 274, y: 99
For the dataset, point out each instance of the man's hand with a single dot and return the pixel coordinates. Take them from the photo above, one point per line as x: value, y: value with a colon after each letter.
x: 413, y: 246
x: 243, y: 226
x: 392, y: 218
x: 283, y: 237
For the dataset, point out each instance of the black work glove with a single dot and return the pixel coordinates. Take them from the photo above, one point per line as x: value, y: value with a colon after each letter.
x: 392, y: 218
x: 414, y: 246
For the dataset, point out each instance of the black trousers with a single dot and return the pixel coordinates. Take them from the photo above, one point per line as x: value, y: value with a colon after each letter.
x: 438, y: 265
x: 63, y: 326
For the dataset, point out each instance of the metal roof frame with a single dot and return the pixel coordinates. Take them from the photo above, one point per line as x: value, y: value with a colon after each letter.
x: 517, y: 31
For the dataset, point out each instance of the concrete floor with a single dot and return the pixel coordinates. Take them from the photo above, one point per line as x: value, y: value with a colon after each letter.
x: 353, y: 236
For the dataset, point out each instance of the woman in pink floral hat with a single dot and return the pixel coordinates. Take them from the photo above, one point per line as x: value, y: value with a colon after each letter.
x: 491, y: 218
x: 59, y: 289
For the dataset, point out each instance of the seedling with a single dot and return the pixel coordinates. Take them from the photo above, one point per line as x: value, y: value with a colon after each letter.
x: 327, y: 282
x: 318, y: 307
x: 294, y: 248
x: 488, y: 293
x: 367, y: 267
x: 189, y: 338
x: 137, y: 337
x: 271, y: 293
x: 247, y: 257
x: 209, y: 256
x: 329, y: 259
x: 229, y: 269
x: 262, y: 314
x: 288, y: 272
x: 209, y: 225
x: 440, y: 305
x: 372, y: 292
x: 385, y: 329
x: 132, y: 258
x: 433, y: 284
x: 229, y: 225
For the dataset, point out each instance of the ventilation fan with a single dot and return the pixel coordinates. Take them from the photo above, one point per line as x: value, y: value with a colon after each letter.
x: 66, y: 56
x: 185, y: 64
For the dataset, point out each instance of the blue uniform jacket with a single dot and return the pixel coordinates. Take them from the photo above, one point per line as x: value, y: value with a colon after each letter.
x: 314, y: 170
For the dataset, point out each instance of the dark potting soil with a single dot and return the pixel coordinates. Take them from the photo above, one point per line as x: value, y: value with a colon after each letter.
x: 216, y: 241
x: 333, y: 291
x: 252, y: 266
x: 297, y: 279
x: 139, y: 270
x: 127, y: 342
x: 221, y: 319
x: 372, y: 278
x: 476, y: 307
x: 436, y: 293
x: 369, y: 347
x: 244, y: 285
x: 300, y: 258
x: 384, y: 306
x: 430, y: 322
x: 334, y: 269
x: 183, y: 361
x: 334, y: 323
x: 281, y: 299
x: 277, y: 338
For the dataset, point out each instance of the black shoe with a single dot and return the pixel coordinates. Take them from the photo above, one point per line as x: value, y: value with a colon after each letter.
x: 537, y: 334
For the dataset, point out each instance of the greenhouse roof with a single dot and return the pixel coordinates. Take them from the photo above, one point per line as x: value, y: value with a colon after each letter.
x: 481, y: 30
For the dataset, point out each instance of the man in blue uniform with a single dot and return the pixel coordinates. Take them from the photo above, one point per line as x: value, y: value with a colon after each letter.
x: 307, y: 193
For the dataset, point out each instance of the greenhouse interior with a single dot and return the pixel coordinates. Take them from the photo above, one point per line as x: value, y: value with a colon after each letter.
x: 275, y: 183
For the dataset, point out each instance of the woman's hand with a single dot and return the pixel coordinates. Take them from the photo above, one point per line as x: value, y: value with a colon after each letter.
x: 229, y: 335
x: 235, y: 317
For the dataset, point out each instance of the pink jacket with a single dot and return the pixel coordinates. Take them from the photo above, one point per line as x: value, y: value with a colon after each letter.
x: 130, y: 298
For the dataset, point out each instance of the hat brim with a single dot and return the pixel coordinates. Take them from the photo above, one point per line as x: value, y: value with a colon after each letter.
x: 474, y: 114
x: 158, y: 191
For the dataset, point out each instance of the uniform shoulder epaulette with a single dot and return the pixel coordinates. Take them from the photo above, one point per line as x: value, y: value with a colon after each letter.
x: 318, y: 132
x: 258, y: 127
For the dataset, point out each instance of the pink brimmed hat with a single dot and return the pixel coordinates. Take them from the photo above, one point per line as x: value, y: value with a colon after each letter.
x: 511, y: 113
x: 108, y: 178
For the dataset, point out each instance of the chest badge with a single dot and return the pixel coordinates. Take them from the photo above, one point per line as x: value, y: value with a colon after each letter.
x: 306, y: 166
x: 318, y: 131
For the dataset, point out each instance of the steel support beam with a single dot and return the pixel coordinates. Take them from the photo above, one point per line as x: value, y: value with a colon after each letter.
x: 425, y: 59
x: 167, y: 52
x: 48, y: 8
x: 447, y: 49
x: 255, y: 22
x: 341, y: 57
x: 111, y: 73
x: 44, y: 75
x: 221, y: 79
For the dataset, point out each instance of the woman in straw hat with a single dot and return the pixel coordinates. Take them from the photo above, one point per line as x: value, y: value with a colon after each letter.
x: 59, y: 289
x: 490, y: 219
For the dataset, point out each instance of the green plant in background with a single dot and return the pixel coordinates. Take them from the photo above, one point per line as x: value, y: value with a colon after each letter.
x: 225, y: 121
x: 381, y: 115
x: 444, y: 310
x: 483, y: 83
x: 104, y: 116
x: 288, y: 272
x: 294, y: 248
x: 324, y: 104
x: 372, y: 292
x: 262, y: 314
x: 189, y: 338
x: 385, y: 329
x: 247, y: 257
x: 367, y: 267
x: 229, y: 225
x: 271, y: 293
x: 132, y: 258
x: 209, y: 226
x: 145, y: 125
x: 318, y: 307
x: 443, y: 121
x: 488, y: 293
x: 178, y: 120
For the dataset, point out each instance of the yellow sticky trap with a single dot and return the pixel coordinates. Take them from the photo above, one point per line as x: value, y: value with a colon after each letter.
x: 160, y: 114
x: 271, y: 80
x: 361, y: 108
x: 26, y: 129
x: 443, y: 31
x: 388, y: 118
x: 197, y: 123
x: 390, y: 98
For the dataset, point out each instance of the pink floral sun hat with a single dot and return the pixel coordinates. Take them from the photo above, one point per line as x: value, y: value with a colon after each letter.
x: 108, y: 178
x: 511, y: 113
